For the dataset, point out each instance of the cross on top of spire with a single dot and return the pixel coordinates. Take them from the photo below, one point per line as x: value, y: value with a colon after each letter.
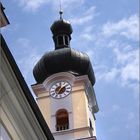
x: 61, y: 13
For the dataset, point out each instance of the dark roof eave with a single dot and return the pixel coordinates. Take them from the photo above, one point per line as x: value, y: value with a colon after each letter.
x: 26, y: 90
x: 2, y: 9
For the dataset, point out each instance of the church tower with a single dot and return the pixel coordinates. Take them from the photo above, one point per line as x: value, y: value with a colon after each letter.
x: 64, y: 88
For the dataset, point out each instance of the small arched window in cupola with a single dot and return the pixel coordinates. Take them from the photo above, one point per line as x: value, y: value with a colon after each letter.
x: 62, y: 120
x: 62, y: 40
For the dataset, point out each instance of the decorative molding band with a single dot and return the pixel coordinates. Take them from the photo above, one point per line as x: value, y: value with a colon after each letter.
x: 67, y: 131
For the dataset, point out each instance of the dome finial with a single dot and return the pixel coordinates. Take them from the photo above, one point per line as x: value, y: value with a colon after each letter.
x: 60, y: 12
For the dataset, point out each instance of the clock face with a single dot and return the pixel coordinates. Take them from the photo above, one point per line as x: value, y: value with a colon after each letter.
x: 60, y: 89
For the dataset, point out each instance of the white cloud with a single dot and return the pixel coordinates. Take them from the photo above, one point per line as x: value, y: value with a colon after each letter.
x: 26, y: 63
x: 87, y: 33
x: 90, y: 53
x: 134, y: 119
x: 125, y: 69
x: 130, y: 72
x: 128, y: 27
x: 8, y: 29
x: 32, y: 5
x: 121, y: 63
x: 112, y: 74
x: 115, y: 107
x: 27, y: 58
x: 129, y: 69
x: 23, y: 42
x: 131, y: 116
x: 85, y: 17
x: 67, y: 3
x: 105, y: 73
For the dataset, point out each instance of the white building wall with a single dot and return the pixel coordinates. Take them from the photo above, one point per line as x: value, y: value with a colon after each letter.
x: 76, y: 103
x: 57, y: 104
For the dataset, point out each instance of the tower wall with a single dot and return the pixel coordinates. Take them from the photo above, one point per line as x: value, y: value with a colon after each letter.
x: 76, y: 104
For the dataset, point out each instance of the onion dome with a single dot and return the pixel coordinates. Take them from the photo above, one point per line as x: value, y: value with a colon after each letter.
x: 61, y: 27
x: 63, y: 60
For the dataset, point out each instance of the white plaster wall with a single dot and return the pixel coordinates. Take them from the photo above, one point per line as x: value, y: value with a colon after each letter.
x: 64, y: 103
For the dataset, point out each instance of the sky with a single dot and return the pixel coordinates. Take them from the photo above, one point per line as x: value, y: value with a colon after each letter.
x: 108, y: 31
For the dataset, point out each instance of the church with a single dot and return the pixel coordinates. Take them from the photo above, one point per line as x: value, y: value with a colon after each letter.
x: 66, y: 101
x: 64, y: 87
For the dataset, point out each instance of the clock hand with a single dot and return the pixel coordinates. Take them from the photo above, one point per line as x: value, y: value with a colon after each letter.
x: 61, y: 90
x: 58, y: 89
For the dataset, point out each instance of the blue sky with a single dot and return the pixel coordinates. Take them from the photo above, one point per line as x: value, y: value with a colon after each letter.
x: 107, y: 31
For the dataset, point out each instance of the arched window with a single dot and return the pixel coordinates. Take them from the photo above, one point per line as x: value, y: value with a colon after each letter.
x: 60, y: 40
x: 63, y: 40
x: 62, y: 120
x: 66, y: 40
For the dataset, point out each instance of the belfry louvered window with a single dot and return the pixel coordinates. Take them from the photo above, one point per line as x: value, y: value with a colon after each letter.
x: 62, y: 120
x: 63, y: 40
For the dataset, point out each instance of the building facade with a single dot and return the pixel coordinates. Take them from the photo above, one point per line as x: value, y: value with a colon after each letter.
x: 64, y: 88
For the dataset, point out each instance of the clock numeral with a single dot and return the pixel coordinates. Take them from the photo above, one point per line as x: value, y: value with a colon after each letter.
x: 52, y: 90
x: 66, y: 92
x: 67, y: 84
x: 60, y: 95
x: 62, y: 83
x: 55, y: 96
x: 68, y: 88
x: 53, y: 87
x: 58, y: 84
x: 52, y: 93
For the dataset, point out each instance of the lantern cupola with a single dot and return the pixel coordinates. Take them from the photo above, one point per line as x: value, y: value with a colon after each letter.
x: 61, y: 30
